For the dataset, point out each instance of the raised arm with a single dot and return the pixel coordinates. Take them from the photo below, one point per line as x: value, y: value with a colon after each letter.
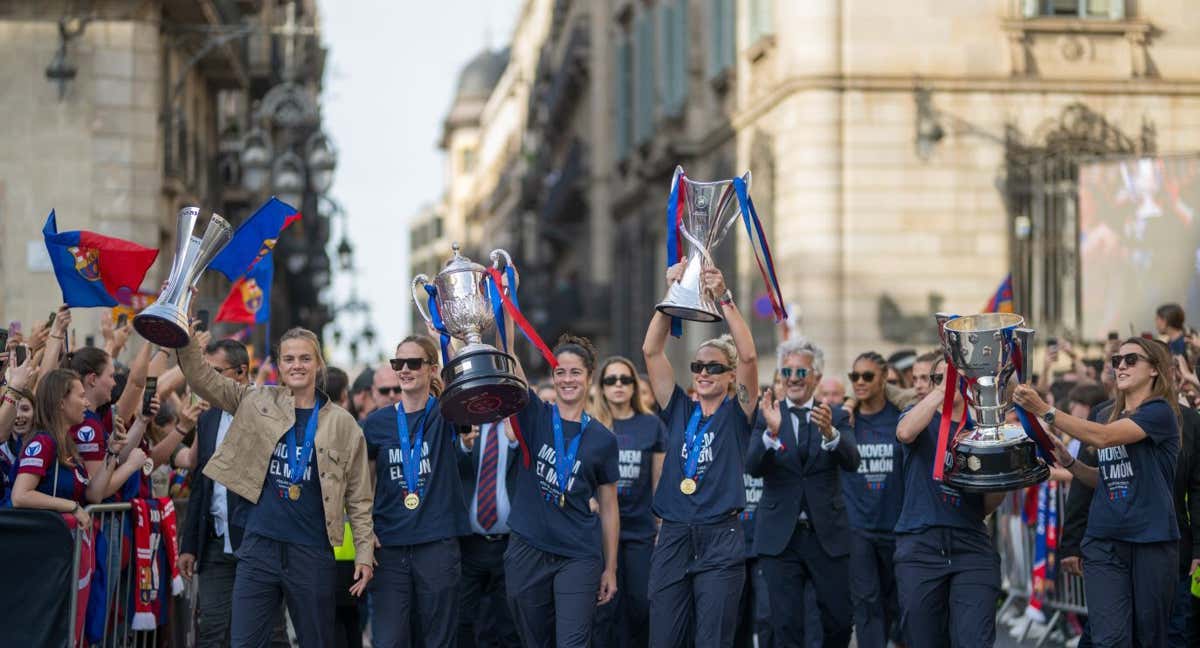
x: 1098, y: 435
x: 20, y: 380
x: 916, y: 419
x: 130, y: 402
x: 56, y: 340
x: 747, y: 369
x: 654, y: 348
x: 221, y: 392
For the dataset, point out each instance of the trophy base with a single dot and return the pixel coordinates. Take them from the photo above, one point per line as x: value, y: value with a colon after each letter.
x: 482, y: 387
x: 163, y: 325
x: 989, y: 466
x: 689, y: 304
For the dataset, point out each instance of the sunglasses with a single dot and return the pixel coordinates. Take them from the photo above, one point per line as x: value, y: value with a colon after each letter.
x: 1130, y: 359
x: 787, y: 372
x: 866, y: 376
x: 411, y: 363
x: 609, y: 381
x: 713, y: 368
x: 384, y: 391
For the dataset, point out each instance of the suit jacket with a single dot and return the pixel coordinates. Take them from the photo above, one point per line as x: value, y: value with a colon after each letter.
x: 194, y: 536
x: 787, y: 478
x: 468, y: 469
x: 1187, y: 487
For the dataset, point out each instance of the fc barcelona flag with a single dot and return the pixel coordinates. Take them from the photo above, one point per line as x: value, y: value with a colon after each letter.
x: 254, y: 239
x: 93, y: 269
x: 249, y: 300
x: 1002, y: 300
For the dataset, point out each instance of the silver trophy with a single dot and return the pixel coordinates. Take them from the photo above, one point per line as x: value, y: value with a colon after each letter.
x: 482, y: 385
x: 165, y: 322
x: 709, y: 210
x: 996, y: 456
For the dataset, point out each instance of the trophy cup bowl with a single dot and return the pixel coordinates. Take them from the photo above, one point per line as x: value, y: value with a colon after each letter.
x: 996, y: 456
x: 165, y: 322
x: 482, y: 385
x: 710, y: 209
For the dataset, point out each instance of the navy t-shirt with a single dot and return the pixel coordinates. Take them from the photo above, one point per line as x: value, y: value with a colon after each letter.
x: 275, y: 516
x: 1133, y: 499
x: 638, y: 438
x: 928, y: 503
x: 875, y: 494
x: 720, y: 490
x: 571, y: 530
x: 754, y: 490
x: 1178, y: 346
x: 40, y: 458
x: 441, y: 513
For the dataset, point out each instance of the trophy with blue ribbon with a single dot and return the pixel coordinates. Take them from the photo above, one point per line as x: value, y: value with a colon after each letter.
x: 701, y: 214
x: 983, y: 352
x: 482, y: 385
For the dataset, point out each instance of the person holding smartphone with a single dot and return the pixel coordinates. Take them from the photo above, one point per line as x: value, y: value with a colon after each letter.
x: 1131, y: 545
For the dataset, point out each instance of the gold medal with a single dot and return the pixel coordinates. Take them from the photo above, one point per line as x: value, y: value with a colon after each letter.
x: 412, y: 501
x: 294, y: 492
x: 687, y: 486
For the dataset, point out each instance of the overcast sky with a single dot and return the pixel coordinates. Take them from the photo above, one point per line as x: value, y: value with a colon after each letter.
x: 389, y: 80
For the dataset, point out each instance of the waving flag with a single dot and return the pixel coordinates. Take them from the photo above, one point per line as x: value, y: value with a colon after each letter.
x: 93, y: 269
x: 1002, y: 300
x: 249, y: 300
x: 1045, y: 550
x: 254, y: 239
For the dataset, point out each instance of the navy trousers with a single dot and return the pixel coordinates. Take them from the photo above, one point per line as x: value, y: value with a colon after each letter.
x: 872, y: 587
x: 483, y: 617
x: 696, y: 579
x: 1130, y: 588
x: 415, y: 589
x: 804, y: 561
x: 552, y: 597
x: 270, y: 572
x: 624, y: 621
x: 948, y: 582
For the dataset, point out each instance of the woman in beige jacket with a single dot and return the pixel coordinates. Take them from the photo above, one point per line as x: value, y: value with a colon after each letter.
x: 301, y: 462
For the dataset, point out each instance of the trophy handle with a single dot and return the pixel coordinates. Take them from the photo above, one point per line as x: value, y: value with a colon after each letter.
x: 942, y: 318
x: 418, y: 292
x: 1023, y: 338
x: 498, y: 254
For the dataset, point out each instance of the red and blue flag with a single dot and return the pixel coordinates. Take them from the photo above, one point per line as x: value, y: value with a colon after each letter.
x: 249, y: 300
x: 1002, y: 299
x: 254, y: 239
x: 93, y: 269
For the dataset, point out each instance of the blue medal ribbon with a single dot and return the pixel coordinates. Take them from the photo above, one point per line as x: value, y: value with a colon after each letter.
x: 693, y: 440
x: 564, y: 459
x: 298, y: 457
x: 410, y: 453
x: 438, y: 324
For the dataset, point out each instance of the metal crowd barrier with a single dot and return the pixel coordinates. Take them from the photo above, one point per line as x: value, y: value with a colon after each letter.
x: 120, y: 583
x: 1015, y: 542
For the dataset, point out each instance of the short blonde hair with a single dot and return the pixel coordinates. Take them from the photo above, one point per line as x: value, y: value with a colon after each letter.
x: 725, y: 345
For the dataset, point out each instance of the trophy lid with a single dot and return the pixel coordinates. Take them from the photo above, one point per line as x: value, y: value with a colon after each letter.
x: 460, y: 263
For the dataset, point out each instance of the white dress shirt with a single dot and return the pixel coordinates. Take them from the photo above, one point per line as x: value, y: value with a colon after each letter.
x: 502, y: 503
x: 219, y: 508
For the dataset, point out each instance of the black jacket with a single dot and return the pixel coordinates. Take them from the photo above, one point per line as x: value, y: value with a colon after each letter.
x: 194, y: 535
x: 787, y: 478
x: 1187, y: 487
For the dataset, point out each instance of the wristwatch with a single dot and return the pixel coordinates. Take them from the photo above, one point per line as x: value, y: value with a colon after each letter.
x: 1048, y: 417
x: 726, y: 298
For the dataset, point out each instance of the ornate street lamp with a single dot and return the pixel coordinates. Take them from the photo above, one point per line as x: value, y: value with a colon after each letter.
x: 322, y: 159
x: 256, y: 159
x: 288, y: 183
x: 345, y: 253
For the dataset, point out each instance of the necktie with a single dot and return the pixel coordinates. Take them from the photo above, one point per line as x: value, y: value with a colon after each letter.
x: 485, y: 495
x: 801, y: 414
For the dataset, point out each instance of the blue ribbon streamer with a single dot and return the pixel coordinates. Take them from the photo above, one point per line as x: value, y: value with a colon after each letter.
x: 497, y: 310
x: 673, y: 243
x: 1023, y: 416
x: 755, y: 231
x: 438, y: 324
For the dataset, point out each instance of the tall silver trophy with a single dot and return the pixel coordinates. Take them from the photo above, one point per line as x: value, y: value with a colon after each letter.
x: 482, y: 385
x: 165, y: 322
x: 997, y: 455
x: 709, y: 209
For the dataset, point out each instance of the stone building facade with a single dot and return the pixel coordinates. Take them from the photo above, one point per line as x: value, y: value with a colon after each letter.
x: 150, y: 120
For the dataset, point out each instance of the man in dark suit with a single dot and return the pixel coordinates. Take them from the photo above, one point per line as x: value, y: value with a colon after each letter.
x: 488, y: 467
x: 802, y: 533
x: 212, y: 528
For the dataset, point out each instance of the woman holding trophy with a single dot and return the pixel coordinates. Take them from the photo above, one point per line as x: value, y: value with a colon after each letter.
x: 418, y: 507
x: 1130, y: 548
x: 697, y: 567
x: 301, y: 462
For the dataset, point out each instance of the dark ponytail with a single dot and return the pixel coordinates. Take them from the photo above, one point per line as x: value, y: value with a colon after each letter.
x: 580, y: 346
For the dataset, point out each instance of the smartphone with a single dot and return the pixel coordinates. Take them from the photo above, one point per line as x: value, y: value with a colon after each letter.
x: 122, y: 319
x: 50, y: 320
x: 1113, y: 336
x: 151, y: 389
x: 3, y: 339
x: 89, y: 341
x: 1052, y: 341
x: 202, y: 315
x: 20, y: 353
